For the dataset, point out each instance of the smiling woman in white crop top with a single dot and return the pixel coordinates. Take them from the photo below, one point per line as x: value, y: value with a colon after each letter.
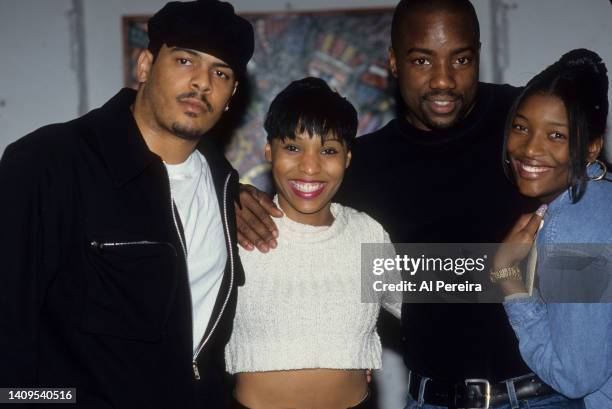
x: 302, y: 336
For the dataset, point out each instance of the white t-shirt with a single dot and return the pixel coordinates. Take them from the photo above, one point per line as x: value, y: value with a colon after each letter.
x: 194, y: 194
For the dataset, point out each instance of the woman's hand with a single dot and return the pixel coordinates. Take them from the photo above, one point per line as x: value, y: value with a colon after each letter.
x: 518, y: 242
x: 253, y: 221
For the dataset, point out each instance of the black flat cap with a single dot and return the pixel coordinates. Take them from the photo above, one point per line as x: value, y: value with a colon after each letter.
x: 209, y: 26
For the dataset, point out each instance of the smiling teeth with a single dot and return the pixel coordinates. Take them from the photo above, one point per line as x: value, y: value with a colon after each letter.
x: 307, y: 187
x: 533, y: 169
x: 442, y: 103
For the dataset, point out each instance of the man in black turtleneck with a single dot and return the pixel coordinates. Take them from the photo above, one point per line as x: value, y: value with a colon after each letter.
x: 434, y: 175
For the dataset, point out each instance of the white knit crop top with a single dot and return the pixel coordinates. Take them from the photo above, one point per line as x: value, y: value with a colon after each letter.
x: 301, y: 306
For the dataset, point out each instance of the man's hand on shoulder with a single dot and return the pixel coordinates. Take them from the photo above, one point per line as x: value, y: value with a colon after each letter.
x: 253, y: 219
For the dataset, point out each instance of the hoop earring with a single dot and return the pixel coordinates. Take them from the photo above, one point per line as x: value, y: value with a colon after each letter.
x: 602, y: 166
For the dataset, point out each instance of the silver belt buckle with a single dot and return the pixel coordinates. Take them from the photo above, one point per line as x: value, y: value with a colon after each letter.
x: 487, y: 395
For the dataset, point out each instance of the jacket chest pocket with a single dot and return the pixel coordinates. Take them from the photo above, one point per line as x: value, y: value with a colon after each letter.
x: 130, y: 288
x: 577, y: 273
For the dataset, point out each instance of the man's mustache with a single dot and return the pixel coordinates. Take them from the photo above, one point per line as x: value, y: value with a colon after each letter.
x: 196, y: 95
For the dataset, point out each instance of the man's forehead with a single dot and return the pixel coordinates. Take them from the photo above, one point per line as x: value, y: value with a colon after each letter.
x: 435, y: 29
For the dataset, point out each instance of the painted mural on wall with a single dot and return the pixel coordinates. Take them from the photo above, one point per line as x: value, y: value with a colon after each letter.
x: 346, y: 48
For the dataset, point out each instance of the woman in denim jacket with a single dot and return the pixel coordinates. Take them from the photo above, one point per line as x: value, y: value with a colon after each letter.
x: 554, y: 137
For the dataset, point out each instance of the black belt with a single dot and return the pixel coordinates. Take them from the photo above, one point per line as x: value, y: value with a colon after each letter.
x: 476, y: 393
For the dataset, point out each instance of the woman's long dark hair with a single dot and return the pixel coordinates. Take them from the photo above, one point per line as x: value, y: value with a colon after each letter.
x: 580, y: 80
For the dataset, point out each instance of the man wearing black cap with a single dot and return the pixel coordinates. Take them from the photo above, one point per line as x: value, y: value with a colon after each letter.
x: 118, y: 252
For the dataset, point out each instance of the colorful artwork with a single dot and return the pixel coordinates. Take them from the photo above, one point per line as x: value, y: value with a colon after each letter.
x: 348, y: 49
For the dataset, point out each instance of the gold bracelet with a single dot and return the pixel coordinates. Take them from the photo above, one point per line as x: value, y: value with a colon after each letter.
x: 506, y: 273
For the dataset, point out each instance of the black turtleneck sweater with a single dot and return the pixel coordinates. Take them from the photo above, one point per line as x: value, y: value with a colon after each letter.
x: 445, y: 187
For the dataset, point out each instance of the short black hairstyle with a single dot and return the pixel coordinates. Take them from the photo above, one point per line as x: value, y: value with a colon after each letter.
x: 580, y: 80
x: 404, y: 7
x: 310, y: 105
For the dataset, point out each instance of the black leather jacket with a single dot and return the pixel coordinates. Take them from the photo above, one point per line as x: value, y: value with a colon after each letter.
x: 94, y: 292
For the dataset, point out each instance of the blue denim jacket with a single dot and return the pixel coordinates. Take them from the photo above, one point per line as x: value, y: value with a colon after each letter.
x: 569, y: 345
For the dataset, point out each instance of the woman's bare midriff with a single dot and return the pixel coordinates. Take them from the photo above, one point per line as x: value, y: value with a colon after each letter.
x: 301, y: 389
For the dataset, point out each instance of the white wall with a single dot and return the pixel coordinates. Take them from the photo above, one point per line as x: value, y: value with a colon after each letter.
x: 37, y: 84
x: 541, y: 31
